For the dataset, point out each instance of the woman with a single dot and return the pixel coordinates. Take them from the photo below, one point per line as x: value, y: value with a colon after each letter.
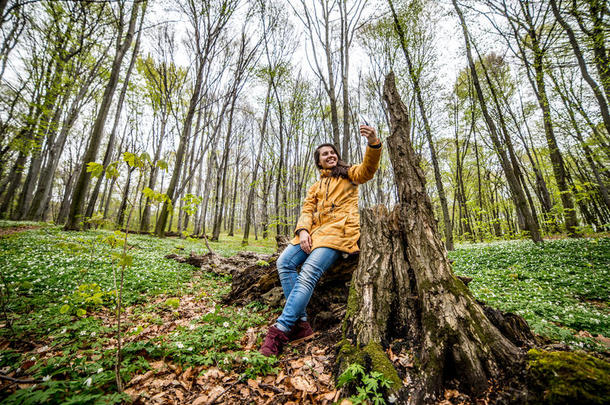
x: 329, y: 225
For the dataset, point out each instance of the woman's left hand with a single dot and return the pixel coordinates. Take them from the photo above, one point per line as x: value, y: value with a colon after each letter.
x: 369, y: 133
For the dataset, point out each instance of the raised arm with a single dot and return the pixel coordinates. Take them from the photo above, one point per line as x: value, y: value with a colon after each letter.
x: 366, y: 170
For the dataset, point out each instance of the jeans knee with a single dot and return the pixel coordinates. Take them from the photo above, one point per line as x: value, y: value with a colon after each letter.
x: 284, y: 263
x: 309, y: 277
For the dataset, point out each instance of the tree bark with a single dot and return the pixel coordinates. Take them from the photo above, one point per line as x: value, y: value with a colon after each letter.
x: 513, y: 182
x: 404, y: 288
x: 603, y: 105
x: 250, y: 202
x: 119, y: 108
x: 427, y: 130
x: 84, y: 177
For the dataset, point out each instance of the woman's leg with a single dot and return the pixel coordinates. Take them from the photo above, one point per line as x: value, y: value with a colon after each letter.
x: 292, y: 257
x: 315, y: 265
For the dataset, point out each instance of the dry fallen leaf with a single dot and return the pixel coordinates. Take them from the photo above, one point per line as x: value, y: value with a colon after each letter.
x: 203, y: 399
x: 302, y: 384
x: 280, y: 377
x: 133, y: 393
x: 603, y: 339
x: 141, y: 377
x: 325, y: 379
x: 329, y: 396
x: 212, y: 374
x: 584, y: 333
x: 250, y: 338
x: 451, y: 394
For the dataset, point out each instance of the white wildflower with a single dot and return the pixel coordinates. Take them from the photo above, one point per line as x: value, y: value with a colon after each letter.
x: 33, y: 358
x: 99, y: 370
x: 88, y: 382
x: 83, y: 332
x: 190, y: 349
x: 392, y: 398
x: 46, y: 378
x: 245, y: 358
x: 226, y: 360
x: 225, y: 324
x: 179, y: 345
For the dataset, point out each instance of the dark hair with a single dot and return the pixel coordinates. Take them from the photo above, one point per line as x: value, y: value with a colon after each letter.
x: 340, y: 170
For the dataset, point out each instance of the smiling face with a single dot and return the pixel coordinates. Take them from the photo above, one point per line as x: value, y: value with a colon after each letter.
x: 328, y: 158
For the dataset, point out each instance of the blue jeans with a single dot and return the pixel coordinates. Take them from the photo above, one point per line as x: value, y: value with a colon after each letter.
x: 298, y: 287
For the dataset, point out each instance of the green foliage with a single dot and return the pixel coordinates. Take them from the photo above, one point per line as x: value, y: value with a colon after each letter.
x: 191, y: 202
x: 258, y: 365
x: 47, y: 269
x: 157, y: 197
x: 136, y: 161
x: 172, y: 303
x: 87, y: 297
x: 370, y: 386
x: 262, y: 263
x: 560, y: 287
x: 96, y: 169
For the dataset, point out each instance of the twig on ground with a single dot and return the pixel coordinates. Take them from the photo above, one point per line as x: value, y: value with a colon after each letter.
x: 271, y: 387
x: 217, y: 397
x: 18, y: 380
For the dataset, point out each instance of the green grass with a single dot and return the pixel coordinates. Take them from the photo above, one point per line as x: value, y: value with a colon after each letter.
x: 58, y: 291
x: 560, y: 287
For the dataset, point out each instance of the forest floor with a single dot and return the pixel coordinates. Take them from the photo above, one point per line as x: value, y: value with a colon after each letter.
x: 181, y: 345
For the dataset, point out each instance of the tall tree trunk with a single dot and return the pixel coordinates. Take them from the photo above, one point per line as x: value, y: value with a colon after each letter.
x: 599, y: 39
x: 252, y: 188
x: 554, y: 152
x: 119, y: 108
x: 427, y: 130
x: 212, y: 166
x: 265, y: 204
x: 513, y: 182
x: 15, y: 180
x: 120, y: 220
x: 404, y: 288
x: 65, y: 201
x: 152, y: 180
x: 84, y: 177
x: 221, y: 189
x: 184, y: 137
x: 601, y: 101
x: 234, y: 198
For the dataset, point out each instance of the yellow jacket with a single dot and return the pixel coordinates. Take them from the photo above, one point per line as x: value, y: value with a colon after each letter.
x: 330, y: 211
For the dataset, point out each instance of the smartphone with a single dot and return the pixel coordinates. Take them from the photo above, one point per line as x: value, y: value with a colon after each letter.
x: 363, y: 120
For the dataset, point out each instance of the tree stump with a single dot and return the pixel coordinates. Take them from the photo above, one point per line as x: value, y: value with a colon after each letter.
x: 404, y: 290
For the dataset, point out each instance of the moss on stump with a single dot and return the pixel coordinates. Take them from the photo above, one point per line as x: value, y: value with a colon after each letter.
x: 567, y: 378
x: 371, y: 354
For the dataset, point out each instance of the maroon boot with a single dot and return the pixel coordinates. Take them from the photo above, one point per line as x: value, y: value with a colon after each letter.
x: 274, y: 342
x: 300, y: 330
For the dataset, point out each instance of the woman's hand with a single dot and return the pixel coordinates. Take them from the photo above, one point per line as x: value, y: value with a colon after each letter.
x: 305, y: 241
x: 369, y: 133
